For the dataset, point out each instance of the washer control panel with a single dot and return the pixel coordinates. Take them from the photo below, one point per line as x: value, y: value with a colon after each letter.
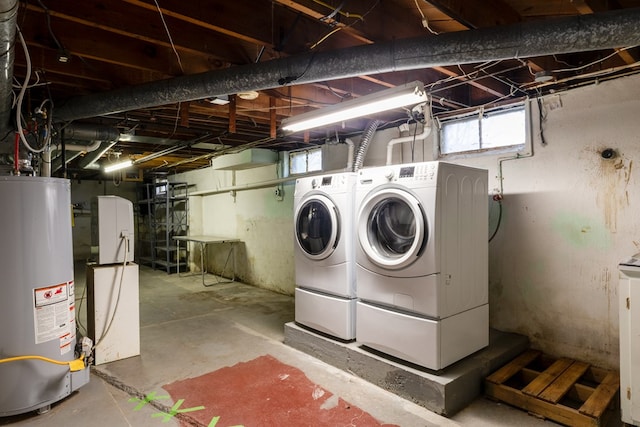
x: 337, y: 182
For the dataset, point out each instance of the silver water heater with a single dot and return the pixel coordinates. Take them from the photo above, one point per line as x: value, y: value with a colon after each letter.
x: 37, y: 303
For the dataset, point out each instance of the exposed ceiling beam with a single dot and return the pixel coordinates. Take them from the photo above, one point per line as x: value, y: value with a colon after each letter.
x: 216, y: 22
x: 586, y: 7
x: 475, y: 14
x: 488, y: 13
x: 594, y: 6
x: 316, y: 14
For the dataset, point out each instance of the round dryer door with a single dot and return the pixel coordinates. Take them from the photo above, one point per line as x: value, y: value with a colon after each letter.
x: 392, y: 228
x: 317, y: 227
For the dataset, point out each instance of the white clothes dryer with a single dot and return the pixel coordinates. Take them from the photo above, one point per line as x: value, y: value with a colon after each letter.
x: 422, y: 261
x: 325, y: 295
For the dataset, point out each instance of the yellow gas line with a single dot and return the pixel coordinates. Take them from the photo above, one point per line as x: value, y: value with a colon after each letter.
x: 74, y: 365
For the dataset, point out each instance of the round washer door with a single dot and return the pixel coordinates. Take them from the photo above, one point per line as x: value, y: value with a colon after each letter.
x: 317, y: 227
x: 392, y: 228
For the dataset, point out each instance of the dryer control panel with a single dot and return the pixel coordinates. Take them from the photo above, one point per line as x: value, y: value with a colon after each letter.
x: 418, y: 172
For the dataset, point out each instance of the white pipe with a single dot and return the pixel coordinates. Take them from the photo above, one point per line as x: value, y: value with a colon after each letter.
x: 255, y: 185
x: 426, y: 131
x: 87, y: 148
x: 241, y: 187
x: 350, y: 154
x: 46, y: 162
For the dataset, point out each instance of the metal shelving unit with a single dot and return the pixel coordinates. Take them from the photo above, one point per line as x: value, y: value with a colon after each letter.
x: 163, y: 212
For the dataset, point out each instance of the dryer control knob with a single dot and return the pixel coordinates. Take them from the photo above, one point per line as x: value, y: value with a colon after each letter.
x: 389, y: 175
x: 314, y: 183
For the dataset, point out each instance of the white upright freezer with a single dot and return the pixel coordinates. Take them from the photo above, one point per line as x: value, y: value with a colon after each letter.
x: 629, y: 294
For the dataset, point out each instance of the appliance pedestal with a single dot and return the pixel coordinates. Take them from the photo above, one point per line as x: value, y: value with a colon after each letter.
x: 325, y: 313
x: 433, y: 344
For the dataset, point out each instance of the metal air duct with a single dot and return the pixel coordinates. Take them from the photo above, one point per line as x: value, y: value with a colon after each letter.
x: 100, y: 138
x: 82, y: 132
x: 8, y: 15
x: 607, y: 30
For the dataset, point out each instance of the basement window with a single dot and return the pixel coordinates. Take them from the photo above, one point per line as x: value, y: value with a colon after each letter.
x: 484, y: 131
x: 303, y: 161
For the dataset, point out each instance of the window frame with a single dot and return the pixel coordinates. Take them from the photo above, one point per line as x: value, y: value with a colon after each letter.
x: 516, y: 149
x: 307, y: 151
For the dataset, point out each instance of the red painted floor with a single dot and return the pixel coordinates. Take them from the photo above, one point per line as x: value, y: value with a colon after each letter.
x: 264, y: 392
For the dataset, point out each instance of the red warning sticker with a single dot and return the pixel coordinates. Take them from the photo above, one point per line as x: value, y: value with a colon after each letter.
x: 51, y: 295
x: 54, y: 314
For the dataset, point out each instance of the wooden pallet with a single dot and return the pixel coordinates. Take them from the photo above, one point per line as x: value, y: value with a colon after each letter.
x: 566, y: 391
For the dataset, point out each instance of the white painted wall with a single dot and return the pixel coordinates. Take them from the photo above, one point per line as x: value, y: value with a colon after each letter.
x: 262, y: 221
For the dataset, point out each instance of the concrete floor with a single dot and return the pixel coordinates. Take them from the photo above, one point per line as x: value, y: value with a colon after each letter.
x: 189, y: 331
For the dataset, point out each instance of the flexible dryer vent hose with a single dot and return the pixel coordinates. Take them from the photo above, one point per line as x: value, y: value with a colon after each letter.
x: 367, y: 136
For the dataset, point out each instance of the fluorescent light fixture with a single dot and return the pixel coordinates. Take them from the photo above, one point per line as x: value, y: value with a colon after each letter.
x: 117, y: 166
x: 400, y: 96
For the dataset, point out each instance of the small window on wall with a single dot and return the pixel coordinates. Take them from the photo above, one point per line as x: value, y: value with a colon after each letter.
x: 303, y: 161
x: 502, y: 130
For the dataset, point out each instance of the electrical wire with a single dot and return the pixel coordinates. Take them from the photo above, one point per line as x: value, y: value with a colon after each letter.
x: 413, y: 142
x: 425, y: 21
x: 560, y: 61
x: 287, y: 80
x: 470, y: 77
x: 338, y: 11
x: 53, y: 36
x: 499, y: 220
x: 78, y: 321
x: 175, y: 122
x: 582, y: 67
x: 332, y: 32
x: 20, y: 98
x: 18, y: 85
x: 173, y: 46
x: 115, y: 308
x: 335, y: 30
x: 541, y: 118
x: 333, y: 92
x: 331, y: 16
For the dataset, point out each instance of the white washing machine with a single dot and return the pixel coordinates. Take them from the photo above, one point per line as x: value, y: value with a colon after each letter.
x: 325, y: 295
x: 422, y: 261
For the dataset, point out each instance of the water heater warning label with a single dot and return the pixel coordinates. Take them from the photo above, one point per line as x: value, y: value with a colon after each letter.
x: 54, y: 315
